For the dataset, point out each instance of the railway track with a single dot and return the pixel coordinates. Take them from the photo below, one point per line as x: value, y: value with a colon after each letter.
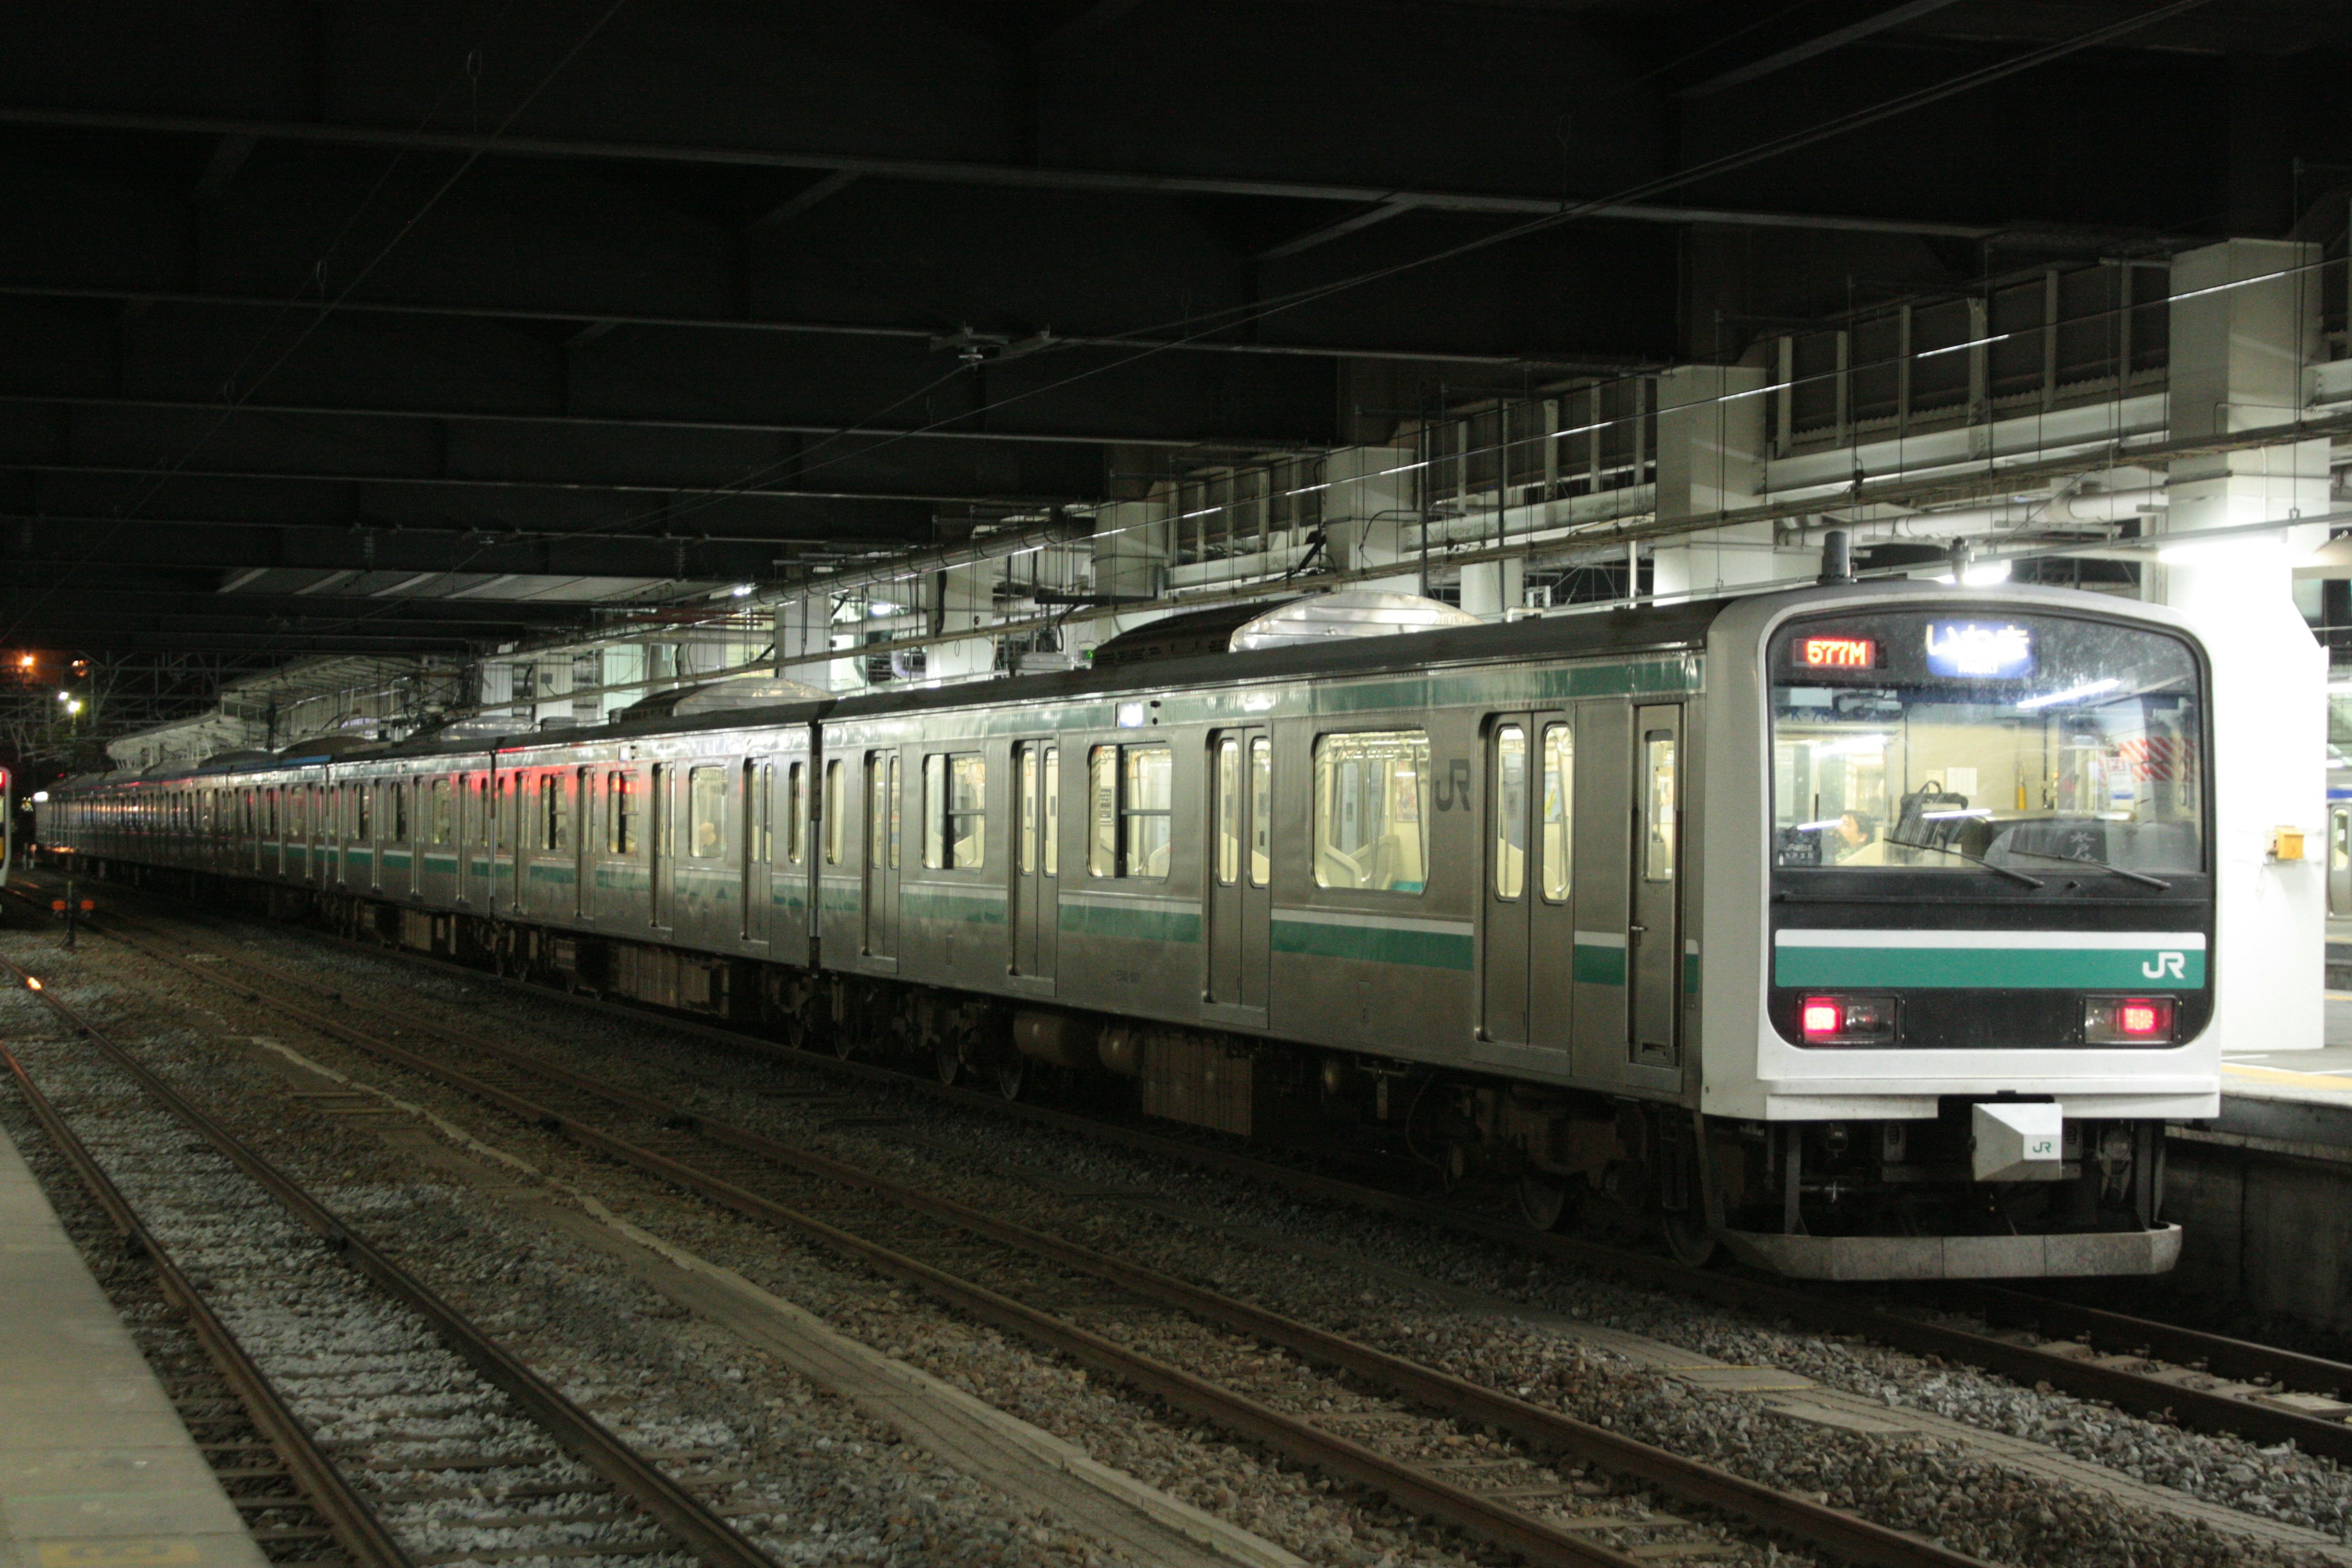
x: 2206, y: 1381
x: 433, y: 1445
x: 1326, y: 1401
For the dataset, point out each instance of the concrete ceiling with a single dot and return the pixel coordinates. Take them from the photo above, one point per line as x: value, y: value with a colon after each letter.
x: 337, y: 328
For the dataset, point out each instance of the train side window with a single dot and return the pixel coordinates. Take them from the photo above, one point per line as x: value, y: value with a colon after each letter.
x: 1658, y: 774
x: 706, y: 813
x: 444, y: 811
x: 1131, y: 811
x: 1558, y: 788
x: 1261, y: 771
x: 955, y: 810
x: 795, y: 812
x: 1050, y: 808
x: 1510, y: 811
x: 620, y: 813
x: 1229, y: 812
x: 1102, y: 812
x: 1368, y: 810
x: 935, y: 810
x: 835, y: 772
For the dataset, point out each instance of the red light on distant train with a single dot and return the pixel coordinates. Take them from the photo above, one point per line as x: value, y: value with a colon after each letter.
x: 1837, y: 653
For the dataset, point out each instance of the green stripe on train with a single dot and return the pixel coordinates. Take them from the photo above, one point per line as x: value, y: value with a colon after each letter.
x: 1598, y: 963
x: 979, y: 906
x: 1137, y: 923
x: 1992, y: 968
x: 1373, y: 945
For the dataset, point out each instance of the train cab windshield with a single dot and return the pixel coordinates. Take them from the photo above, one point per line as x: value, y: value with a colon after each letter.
x: 1941, y: 739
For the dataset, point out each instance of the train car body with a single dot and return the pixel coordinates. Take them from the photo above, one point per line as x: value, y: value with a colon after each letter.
x: 1869, y: 930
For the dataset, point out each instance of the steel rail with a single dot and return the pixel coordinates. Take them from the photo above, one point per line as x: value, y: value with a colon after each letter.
x: 1844, y: 1534
x: 2155, y: 1399
x: 357, y: 1527
x: 687, y: 1518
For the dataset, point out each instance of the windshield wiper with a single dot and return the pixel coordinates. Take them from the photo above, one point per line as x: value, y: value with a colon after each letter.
x: 2158, y: 883
x: 2012, y: 872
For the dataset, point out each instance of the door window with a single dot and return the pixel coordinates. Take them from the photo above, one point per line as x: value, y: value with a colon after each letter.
x: 1510, y: 811
x: 1050, y: 826
x: 835, y: 828
x: 1229, y: 812
x: 1028, y: 850
x: 444, y: 811
x: 1261, y: 768
x: 1658, y: 774
x: 795, y: 812
x: 1559, y: 789
x: 620, y: 813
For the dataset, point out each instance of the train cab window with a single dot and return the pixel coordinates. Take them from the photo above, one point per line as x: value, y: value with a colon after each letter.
x: 1368, y: 811
x: 1131, y: 810
x: 1050, y: 810
x: 1557, y: 848
x: 955, y: 810
x: 795, y: 812
x: 1658, y: 784
x: 1229, y: 812
x: 620, y: 813
x: 835, y: 826
x: 1510, y: 811
x: 706, y: 813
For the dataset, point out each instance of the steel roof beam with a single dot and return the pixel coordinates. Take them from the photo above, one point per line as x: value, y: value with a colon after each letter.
x: 595, y: 322
x: 935, y: 170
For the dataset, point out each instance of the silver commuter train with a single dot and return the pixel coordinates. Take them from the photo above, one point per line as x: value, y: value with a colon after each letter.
x: 1866, y: 929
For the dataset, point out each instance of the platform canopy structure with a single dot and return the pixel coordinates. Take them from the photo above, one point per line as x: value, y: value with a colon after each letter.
x: 402, y: 361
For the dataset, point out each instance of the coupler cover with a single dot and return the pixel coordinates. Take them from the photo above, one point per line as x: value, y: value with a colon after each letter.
x: 2014, y: 1141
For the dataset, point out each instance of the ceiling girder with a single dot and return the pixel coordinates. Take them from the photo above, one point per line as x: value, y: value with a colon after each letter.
x: 934, y: 170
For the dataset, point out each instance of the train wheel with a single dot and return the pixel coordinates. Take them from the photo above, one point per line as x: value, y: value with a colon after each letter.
x: 947, y: 1064
x: 1688, y: 1239
x: 1012, y: 1076
x: 1546, y: 1201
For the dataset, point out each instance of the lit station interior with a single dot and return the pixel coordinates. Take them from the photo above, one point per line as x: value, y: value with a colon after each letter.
x: 1083, y: 781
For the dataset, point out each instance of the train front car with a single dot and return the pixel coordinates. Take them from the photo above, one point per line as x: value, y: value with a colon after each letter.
x: 1962, y: 947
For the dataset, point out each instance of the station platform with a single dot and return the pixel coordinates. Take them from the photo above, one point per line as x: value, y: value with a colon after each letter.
x: 95, y: 1468
x: 2292, y: 1097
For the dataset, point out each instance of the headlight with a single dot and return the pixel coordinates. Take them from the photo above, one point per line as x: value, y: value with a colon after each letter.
x: 1847, y: 1020
x: 2128, y: 1020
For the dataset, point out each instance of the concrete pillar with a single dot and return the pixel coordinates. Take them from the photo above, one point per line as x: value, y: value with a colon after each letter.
x: 2238, y: 357
x: 803, y: 626
x: 1489, y: 588
x: 1132, y: 541
x: 1368, y: 513
x: 1711, y: 461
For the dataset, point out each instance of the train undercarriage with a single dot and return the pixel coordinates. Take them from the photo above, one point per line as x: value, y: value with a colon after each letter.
x: 1633, y: 1168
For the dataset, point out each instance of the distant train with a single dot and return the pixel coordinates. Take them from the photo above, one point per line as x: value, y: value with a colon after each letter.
x: 1868, y: 930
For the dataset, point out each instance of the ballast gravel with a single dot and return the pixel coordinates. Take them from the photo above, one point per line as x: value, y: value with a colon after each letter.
x: 1911, y: 1482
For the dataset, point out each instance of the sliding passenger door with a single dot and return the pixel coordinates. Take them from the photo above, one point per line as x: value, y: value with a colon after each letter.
x: 662, y: 846
x: 1654, y: 937
x: 1240, y: 871
x: 1034, y: 918
x: 1527, y: 926
x: 882, y: 850
x: 759, y: 848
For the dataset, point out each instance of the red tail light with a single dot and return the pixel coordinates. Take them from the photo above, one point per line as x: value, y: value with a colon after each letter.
x: 2128, y: 1020
x: 1823, y: 1017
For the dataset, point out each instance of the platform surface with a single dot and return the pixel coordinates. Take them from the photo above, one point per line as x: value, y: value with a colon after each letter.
x: 95, y: 1468
x: 2323, y: 1076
